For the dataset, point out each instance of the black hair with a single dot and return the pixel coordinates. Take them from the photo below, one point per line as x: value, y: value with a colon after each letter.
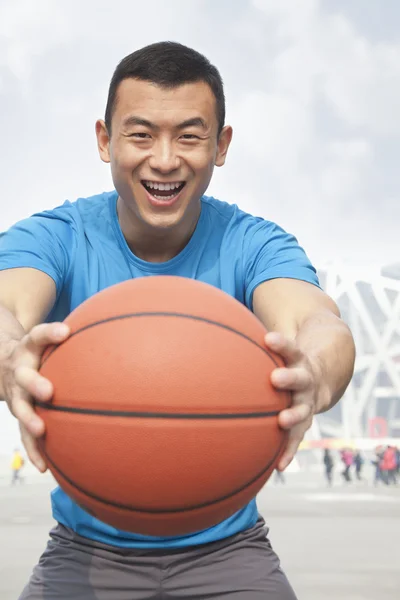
x: 169, y: 65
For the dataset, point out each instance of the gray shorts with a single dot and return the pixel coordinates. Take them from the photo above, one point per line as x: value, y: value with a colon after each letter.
x: 242, y: 567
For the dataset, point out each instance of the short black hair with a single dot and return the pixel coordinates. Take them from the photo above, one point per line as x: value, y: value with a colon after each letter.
x: 169, y: 65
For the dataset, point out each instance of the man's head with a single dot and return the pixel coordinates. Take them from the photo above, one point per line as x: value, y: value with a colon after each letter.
x: 164, y: 124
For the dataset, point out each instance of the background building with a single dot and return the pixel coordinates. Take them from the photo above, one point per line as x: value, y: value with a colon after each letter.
x: 369, y: 299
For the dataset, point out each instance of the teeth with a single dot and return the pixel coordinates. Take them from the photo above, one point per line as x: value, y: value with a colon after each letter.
x: 164, y: 197
x: 163, y: 186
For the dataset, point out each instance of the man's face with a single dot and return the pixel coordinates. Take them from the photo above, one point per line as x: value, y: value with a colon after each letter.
x: 163, y: 148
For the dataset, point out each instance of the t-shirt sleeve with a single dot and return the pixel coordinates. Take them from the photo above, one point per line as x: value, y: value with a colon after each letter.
x: 44, y: 241
x: 271, y: 253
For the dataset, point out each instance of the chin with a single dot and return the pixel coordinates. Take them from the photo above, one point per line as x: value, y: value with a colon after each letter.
x: 163, y: 222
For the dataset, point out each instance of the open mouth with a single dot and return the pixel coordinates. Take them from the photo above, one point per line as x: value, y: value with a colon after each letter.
x: 163, y: 191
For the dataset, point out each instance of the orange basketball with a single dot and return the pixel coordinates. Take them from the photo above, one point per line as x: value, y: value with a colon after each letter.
x: 163, y: 420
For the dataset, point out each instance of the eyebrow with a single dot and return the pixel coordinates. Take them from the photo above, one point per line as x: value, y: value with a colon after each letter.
x: 139, y: 121
x: 195, y: 122
x: 132, y: 120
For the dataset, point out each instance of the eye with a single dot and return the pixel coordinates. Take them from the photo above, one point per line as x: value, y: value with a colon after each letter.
x: 189, y: 136
x: 140, y: 135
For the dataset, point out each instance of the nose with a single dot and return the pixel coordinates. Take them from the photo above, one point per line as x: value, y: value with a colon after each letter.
x: 163, y: 157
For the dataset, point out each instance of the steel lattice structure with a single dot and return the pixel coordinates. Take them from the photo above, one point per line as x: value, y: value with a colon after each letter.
x: 369, y: 300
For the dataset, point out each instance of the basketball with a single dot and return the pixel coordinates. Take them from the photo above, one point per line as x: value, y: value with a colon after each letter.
x: 163, y: 420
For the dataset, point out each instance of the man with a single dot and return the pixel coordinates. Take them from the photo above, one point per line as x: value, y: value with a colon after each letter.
x: 163, y: 133
x: 328, y: 464
x: 358, y: 464
x: 377, y: 462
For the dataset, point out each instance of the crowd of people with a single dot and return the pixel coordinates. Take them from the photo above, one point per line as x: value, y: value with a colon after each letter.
x: 386, y: 462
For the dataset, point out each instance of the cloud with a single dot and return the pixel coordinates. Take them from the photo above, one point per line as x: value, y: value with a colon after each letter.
x: 28, y: 29
x: 312, y: 130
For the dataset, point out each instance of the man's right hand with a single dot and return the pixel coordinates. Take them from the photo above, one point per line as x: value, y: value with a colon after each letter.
x: 22, y: 382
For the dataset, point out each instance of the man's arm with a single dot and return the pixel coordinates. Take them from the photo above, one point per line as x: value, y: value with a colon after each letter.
x: 305, y: 314
x: 26, y: 298
x: 316, y: 346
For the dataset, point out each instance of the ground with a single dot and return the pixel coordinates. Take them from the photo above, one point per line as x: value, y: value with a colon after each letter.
x: 335, y: 544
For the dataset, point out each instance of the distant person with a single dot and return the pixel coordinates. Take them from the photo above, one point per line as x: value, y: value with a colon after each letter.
x: 347, y: 460
x: 389, y: 465
x: 397, y: 450
x: 358, y: 462
x: 328, y: 463
x: 377, y: 462
x: 17, y: 463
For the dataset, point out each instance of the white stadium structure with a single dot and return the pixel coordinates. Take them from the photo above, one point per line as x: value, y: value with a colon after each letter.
x: 369, y: 300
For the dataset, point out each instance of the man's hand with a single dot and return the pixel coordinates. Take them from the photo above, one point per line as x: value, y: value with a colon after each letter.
x: 304, y: 379
x: 22, y: 382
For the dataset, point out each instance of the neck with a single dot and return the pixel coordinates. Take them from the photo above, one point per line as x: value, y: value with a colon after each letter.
x: 152, y: 244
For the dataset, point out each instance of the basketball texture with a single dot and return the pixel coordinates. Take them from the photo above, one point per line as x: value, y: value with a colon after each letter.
x: 163, y: 420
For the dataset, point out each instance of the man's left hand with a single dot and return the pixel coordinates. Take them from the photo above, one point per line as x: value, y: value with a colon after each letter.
x: 303, y: 379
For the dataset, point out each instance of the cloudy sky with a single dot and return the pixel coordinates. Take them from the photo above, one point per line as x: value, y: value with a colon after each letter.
x: 313, y: 94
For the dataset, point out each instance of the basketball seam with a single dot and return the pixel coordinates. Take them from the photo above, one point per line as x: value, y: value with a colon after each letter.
x: 160, y: 314
x: 154, y: 415
x: 168, y: 510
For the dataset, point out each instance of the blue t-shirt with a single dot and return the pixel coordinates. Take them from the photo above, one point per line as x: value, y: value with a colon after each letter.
x: 80, y: 245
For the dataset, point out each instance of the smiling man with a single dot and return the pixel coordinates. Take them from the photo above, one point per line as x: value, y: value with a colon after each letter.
x: 163, y: 134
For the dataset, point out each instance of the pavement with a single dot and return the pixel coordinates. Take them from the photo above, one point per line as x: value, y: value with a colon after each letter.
x: 339, y: 543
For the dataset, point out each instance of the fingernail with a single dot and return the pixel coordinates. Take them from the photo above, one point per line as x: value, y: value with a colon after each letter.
x: 35, y: 426
x: 279, y: 376
x: 273, y: 338
x: 285, y: 421
x: 43, y: 388
x: 61, y: 330
x: 40, y: 465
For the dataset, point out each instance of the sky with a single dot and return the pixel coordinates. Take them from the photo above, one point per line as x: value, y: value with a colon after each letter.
x: 313, y: 95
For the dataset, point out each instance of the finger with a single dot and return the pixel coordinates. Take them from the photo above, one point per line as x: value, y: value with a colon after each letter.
x: 33, y: 383
x: 45, y: 334
x: 297, y: 414
x: 22, y: 410
x: 296, y: 379
x: 295, y: 438
x: 32, y: 450
x: 283, y: 346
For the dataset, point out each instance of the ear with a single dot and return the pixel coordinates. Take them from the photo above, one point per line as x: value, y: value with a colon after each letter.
x: 103, y: 141
x: 224, y: 140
